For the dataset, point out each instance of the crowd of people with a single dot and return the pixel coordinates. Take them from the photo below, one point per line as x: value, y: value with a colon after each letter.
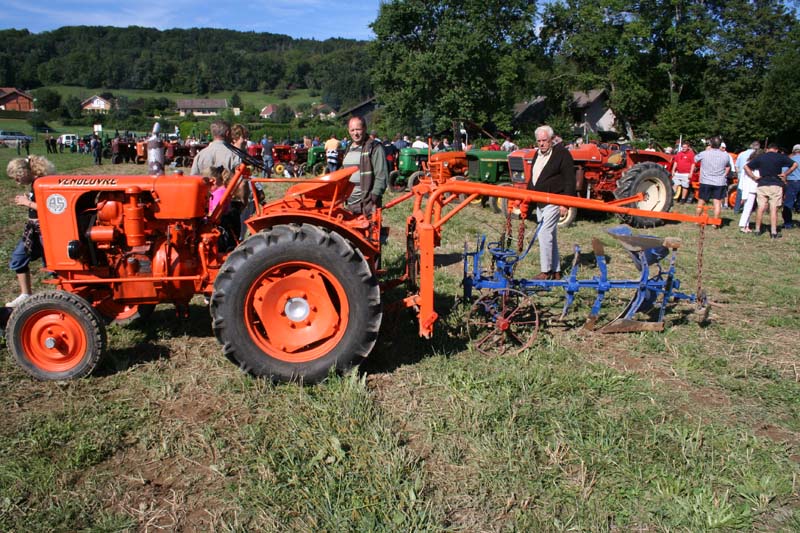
x: 766, y: 179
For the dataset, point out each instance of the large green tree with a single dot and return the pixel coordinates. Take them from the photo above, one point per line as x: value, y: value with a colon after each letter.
x: 438, y: 60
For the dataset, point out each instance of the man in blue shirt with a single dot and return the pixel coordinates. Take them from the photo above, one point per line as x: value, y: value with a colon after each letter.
x: 770, y: 182
x: 792, y: 189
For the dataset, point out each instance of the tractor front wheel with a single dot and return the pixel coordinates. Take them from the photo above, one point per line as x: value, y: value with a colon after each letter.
x: 295, y: 301
x: 651, y: 179
x: 56, y: 335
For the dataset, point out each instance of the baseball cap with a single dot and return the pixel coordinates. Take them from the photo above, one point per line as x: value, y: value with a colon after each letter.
x: 796, y: 148
x: 723, y: 145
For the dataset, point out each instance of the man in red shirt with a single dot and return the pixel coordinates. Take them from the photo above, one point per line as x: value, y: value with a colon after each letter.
x: 681, y: 170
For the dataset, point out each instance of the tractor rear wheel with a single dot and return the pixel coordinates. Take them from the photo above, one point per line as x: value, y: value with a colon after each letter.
x: 732, y: 189
x: 414, y: 179
x: 295, y: 301
x: 318, y: 169
x: 396, y: 184
x: 651, y: 179
x: 56, y: 335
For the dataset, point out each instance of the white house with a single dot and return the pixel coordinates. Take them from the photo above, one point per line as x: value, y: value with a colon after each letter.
x: 96, y: 104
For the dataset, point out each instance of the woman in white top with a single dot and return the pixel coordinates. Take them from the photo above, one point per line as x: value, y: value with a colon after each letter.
x: 748, y: 187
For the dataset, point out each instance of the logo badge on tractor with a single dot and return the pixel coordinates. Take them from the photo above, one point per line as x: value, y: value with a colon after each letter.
x: 56, y: 204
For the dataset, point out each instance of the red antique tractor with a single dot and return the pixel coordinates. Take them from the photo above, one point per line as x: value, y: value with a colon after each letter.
x: 297, y: 298
x: 608, y: 173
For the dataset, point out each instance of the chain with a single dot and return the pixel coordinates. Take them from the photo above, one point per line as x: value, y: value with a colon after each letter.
x: 521, y: 235
x: 507, y: 232
x: 700, y: 244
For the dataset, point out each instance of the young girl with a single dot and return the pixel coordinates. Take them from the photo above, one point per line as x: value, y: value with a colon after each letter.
x: 29, y: 248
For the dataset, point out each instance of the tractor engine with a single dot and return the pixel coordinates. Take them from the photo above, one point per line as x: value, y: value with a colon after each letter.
x: 142, y: 233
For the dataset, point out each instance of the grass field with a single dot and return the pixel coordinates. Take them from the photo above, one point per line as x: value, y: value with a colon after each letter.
x: 692, y: 429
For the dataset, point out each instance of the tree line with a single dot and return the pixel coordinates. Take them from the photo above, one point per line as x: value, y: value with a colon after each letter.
x: 192, y: 61
x: 670, y: 68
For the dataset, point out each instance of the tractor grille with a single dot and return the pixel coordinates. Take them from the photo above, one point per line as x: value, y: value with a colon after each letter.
x: 475, y: 170
x: 517, y: 168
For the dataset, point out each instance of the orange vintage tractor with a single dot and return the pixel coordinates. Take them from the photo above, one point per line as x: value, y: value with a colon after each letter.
x: 606, y: 172
x: 299, y: 297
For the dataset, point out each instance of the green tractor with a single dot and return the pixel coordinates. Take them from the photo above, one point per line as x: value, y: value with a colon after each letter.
x: 489, y: 166
x: 411, y: 164
x: 317, y: 162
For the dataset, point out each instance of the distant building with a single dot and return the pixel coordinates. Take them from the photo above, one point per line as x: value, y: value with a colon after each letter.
x: 363, y: 109
x: 12, y: 99
x: 96, y: 104
x: 323, y: 111
x: 202, y: 107
x: 591, y: 112
x: 268, y: 111
x: 531, y: 111
x: 589, y: 109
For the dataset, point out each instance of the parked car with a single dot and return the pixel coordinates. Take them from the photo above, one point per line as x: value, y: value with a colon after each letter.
x: 68, y: 139
x: 11, y: 138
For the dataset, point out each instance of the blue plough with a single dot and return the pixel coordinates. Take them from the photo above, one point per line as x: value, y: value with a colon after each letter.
x: 504, y: 319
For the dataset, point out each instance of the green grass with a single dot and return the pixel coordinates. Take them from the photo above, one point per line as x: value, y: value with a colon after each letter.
x: 691, y: 429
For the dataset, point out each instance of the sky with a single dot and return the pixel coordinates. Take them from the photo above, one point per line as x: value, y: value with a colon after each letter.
x: 308, y: 19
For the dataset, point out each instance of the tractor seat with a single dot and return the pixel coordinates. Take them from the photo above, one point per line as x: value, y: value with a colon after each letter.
x: 615, y: 161
x: 323, y: 188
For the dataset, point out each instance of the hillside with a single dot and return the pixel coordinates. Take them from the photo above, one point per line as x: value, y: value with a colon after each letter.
x: 194, y: 61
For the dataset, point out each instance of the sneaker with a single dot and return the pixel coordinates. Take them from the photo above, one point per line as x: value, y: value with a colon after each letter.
x: 18, y: 300
x: 744, y: 229
x: 775, y: 235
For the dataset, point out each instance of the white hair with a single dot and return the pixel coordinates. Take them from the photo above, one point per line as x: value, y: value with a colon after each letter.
x: 547, y: 130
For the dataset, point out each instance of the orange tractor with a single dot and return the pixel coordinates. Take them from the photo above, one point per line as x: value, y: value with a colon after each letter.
x: 606, y: 172
x: 298, y: 297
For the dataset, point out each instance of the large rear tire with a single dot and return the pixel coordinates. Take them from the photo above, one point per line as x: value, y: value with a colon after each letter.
x: 414, y: 179
x: 295, y: 301
x: 318, y: 169
x: 651, y: 179
x: 56, y: 335
x: 396, y: 182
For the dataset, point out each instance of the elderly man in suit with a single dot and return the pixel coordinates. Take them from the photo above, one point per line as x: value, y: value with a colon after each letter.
x: 553, y: 172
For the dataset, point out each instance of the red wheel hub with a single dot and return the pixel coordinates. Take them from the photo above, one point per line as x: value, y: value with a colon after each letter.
x: 297, y: 312
x: 54, y: 340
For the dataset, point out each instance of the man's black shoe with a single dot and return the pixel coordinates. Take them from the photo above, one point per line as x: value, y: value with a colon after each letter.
x: 775, y: 235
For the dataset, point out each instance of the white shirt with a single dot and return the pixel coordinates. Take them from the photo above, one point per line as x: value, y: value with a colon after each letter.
x: 538, y: 165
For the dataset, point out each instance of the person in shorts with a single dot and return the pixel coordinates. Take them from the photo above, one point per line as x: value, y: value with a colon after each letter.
x: 771, y: 180
x: 681, y: 171
x: 716, y: 165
